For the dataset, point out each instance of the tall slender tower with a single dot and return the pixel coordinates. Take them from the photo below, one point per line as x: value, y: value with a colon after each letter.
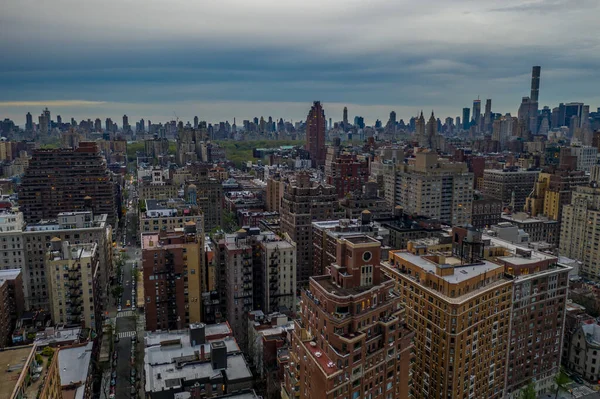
x: 535, y: 83
x: 315, y: 134
x: 29, y: 122
x: 477, y: 111
x: 345, y: 118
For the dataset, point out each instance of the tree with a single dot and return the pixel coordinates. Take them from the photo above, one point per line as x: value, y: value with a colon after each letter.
x: 561, y: 379
x: 528, y: 392
x: 117, y: 291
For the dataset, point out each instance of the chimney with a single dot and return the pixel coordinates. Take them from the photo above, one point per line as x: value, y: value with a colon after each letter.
x: 218, y: 355
x: 198, y: 334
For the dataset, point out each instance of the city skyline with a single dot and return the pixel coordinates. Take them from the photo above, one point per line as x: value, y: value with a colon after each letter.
x: 373, y: 58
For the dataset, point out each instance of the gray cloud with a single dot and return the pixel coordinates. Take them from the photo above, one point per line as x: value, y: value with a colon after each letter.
x: 429, y: 54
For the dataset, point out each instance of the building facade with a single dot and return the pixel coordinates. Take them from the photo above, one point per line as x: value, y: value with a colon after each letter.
x: 174, y: 276
x: 304, y: 202
x: 437, y: 189
x: 73, y: 274
x: 511, y: 186
x: 351, y: 339
x: 67, y: 180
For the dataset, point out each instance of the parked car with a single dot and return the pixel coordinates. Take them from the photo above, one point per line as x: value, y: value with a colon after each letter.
x: 577, y: 379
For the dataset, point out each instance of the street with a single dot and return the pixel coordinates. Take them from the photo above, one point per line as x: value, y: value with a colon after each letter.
x: 129, y: 320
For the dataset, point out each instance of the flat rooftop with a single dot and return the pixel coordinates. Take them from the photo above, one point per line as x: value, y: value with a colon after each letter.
x: 461, y: 273
x: 326, y: 283
x: 361, y: 239
x: 172, y: 377
x: 13, y: 360
x: 74, y: 365
x: 9, y: 274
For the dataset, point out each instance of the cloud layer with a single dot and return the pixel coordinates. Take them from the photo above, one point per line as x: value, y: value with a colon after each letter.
x: 152, y: 55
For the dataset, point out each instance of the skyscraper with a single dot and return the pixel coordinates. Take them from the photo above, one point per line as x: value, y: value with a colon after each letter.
x: 535, y: 83
x: 315, y: 134
x: 44, y: 124
x: 28, y: 122
x: 477, y: 111
x: 466, y: 118
x: 345, y: 118
x: 125, y: 123
x: 196, y: 122
x: 487, y: 117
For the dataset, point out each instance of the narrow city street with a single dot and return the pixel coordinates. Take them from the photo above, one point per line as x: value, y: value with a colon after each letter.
x: 128, y: 317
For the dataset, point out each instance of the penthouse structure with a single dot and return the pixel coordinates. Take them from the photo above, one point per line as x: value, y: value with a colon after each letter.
x: 67, y: 180
x: 351, y: 339
x: 174, y: 277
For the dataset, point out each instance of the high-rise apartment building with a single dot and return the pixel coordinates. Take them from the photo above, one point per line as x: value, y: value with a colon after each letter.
x: 511, y: 186
x: 553, y: 190
x: 304, y: 202
x: 67, y: 180
x: 27, y: 244
x: 351, y: 340
x: 168, y: 215
x: 488, y: 315
x: 274, y: 193
x: 578, y: 238
x: 174, y: 276
x: 257, y: 271
x: 459, y: 310
x: 73, y: 272
x: 315, y: 134
x: 435, y: 188
x: 347, y: 173
x: 587, y: 156
x: 207, y: 193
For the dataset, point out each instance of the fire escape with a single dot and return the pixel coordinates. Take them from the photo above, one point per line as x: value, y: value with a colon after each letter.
x: 273, y: 278
x: 247, y: 280
x: 74, y: 298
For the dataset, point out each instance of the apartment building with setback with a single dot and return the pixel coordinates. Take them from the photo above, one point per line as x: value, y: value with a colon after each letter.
x: 304, y: 202
x: 173, y: 269
x: 578, y: 234
x: 66, y: 180
x: 540, y: 228
x: 73, y: 271
x: 512, y: 186
x: 351, y: 340
x: 435, y: 188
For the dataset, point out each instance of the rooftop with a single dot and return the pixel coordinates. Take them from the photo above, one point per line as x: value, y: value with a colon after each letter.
x: 168, y: 376
x: 74, y: 364
x: 15, y: 360
x: 9, y: 274
x: 321, y: 358
x: 522, y: 217
x: 592, y: 333
x: 461, y: 272
x: 55, y: 337
x: 327, y: 284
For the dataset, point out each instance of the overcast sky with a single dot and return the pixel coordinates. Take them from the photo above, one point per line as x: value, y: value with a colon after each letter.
x: 221, y: 59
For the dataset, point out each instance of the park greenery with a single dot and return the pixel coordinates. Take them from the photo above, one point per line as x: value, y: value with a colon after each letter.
x: 241, y: 151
